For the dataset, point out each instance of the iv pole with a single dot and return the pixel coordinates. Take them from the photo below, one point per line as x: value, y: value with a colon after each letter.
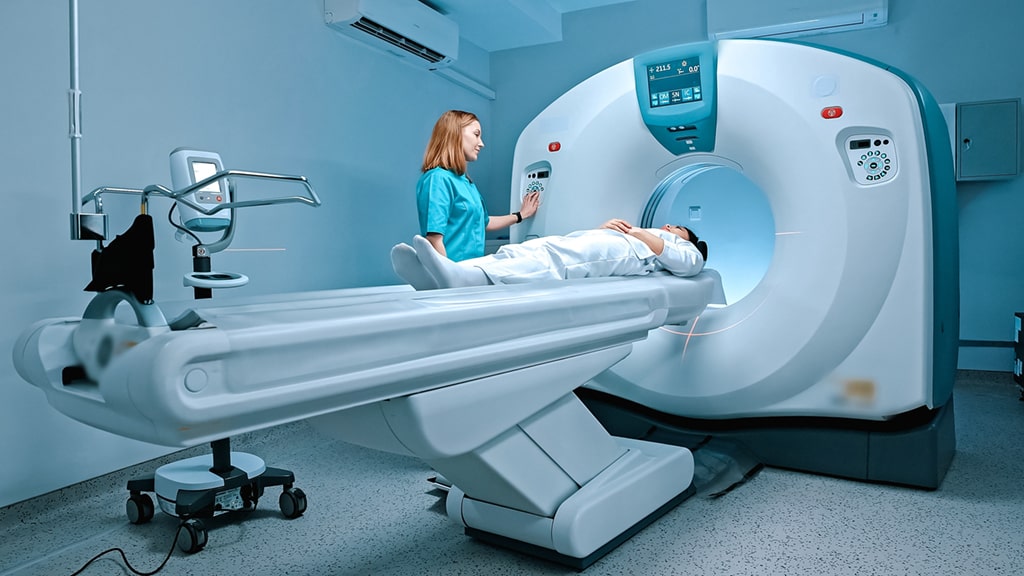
x: 75, y: 110
x: 84, y: 226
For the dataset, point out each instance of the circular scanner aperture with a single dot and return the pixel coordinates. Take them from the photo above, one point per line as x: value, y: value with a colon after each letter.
x: 726, y: 210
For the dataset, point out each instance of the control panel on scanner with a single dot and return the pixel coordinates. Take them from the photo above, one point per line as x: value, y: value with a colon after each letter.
x: 676, y: 90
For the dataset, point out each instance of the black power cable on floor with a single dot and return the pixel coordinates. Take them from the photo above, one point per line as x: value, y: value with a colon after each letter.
x: 125, y: 558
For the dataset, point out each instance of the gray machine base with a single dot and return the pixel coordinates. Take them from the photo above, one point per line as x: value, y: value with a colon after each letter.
x: 580, y: 564
x: 912, y: 449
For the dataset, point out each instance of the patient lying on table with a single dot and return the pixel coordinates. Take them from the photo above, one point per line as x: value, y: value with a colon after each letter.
x: 615, y: 249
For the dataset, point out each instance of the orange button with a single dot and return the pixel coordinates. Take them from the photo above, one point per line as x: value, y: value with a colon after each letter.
x: 830, y: 112
x: 554, y: 147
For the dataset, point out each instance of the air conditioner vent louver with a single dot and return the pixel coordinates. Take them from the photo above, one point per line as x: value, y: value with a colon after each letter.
x: 396, y: 39
x: 792, y: 18
x: 409, y: 29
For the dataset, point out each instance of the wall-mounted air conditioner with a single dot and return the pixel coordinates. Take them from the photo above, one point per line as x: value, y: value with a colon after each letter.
x: 405, y: 28
x: 792, y: 18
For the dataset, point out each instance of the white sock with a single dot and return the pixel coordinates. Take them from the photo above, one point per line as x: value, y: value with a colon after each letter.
x: 448, y: 274
x: 409, y: 268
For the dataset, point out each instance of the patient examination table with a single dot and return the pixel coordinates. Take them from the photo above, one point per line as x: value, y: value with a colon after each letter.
x: 477, y: 382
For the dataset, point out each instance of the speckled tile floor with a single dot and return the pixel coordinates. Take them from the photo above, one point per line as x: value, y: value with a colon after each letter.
x: 374, y: 513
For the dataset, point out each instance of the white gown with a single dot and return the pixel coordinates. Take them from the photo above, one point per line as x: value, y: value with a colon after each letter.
x: 588, y: 254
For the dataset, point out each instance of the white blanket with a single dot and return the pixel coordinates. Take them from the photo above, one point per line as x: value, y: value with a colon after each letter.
x: 588, y: 254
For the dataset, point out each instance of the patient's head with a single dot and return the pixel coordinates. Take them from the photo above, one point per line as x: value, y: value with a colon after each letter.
x: 690, y: 236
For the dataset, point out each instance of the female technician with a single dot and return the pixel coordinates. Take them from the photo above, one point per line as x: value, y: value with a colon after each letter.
x: 451, y: 211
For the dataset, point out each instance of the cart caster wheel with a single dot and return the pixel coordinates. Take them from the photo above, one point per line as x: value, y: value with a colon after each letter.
x: 292, y: 502
x: 139, y: 508
x: 192, y: 536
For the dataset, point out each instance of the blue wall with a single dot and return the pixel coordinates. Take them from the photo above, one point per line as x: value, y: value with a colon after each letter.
x: 271, y: 88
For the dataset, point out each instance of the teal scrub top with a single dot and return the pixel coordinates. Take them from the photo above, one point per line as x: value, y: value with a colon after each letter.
x: 451, y: 205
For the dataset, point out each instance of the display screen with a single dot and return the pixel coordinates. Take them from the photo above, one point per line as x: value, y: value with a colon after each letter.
x: 203, y: 170
x: 674, y: 82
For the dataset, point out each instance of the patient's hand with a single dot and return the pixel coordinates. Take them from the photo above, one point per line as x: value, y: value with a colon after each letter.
x: 618, y: 225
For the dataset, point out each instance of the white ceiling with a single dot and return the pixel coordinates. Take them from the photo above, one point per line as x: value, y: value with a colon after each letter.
x: 503, y: 24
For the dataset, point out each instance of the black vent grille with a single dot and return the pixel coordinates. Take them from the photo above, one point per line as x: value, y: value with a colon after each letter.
x: 396, y: 39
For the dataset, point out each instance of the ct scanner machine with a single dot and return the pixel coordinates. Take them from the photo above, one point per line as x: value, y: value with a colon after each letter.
x: 841, y: 358
x: 558, y: 432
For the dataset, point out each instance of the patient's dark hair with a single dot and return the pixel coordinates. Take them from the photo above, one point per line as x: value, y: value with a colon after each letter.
x: 701, y: 245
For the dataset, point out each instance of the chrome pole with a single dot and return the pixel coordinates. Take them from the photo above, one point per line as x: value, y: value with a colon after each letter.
x: 84, y: 226
x: 75, y: 113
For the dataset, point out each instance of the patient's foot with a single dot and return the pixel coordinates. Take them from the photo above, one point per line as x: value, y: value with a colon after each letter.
x: 448, y: 274
x: 409, y: 268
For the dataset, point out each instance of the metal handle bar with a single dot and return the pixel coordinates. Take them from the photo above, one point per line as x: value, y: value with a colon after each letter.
x: 180, y: 195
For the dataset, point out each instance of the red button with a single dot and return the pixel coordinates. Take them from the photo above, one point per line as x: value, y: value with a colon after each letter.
x: 831, y: 112
x: 554, y: 147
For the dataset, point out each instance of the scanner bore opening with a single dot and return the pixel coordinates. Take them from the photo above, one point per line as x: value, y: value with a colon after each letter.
x: 726, y: 210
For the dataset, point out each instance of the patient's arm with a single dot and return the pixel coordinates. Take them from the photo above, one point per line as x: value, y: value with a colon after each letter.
x: 655, y: 243
x: 680, y: 257
x: 617, y: 224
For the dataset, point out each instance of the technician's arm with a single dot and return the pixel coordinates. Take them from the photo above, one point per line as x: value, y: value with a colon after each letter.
x: 437, y: 241
x: 530, y: 203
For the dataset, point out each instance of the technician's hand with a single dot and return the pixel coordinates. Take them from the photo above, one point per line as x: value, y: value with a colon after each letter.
x: 618, y: 225
x: 530, y: 204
